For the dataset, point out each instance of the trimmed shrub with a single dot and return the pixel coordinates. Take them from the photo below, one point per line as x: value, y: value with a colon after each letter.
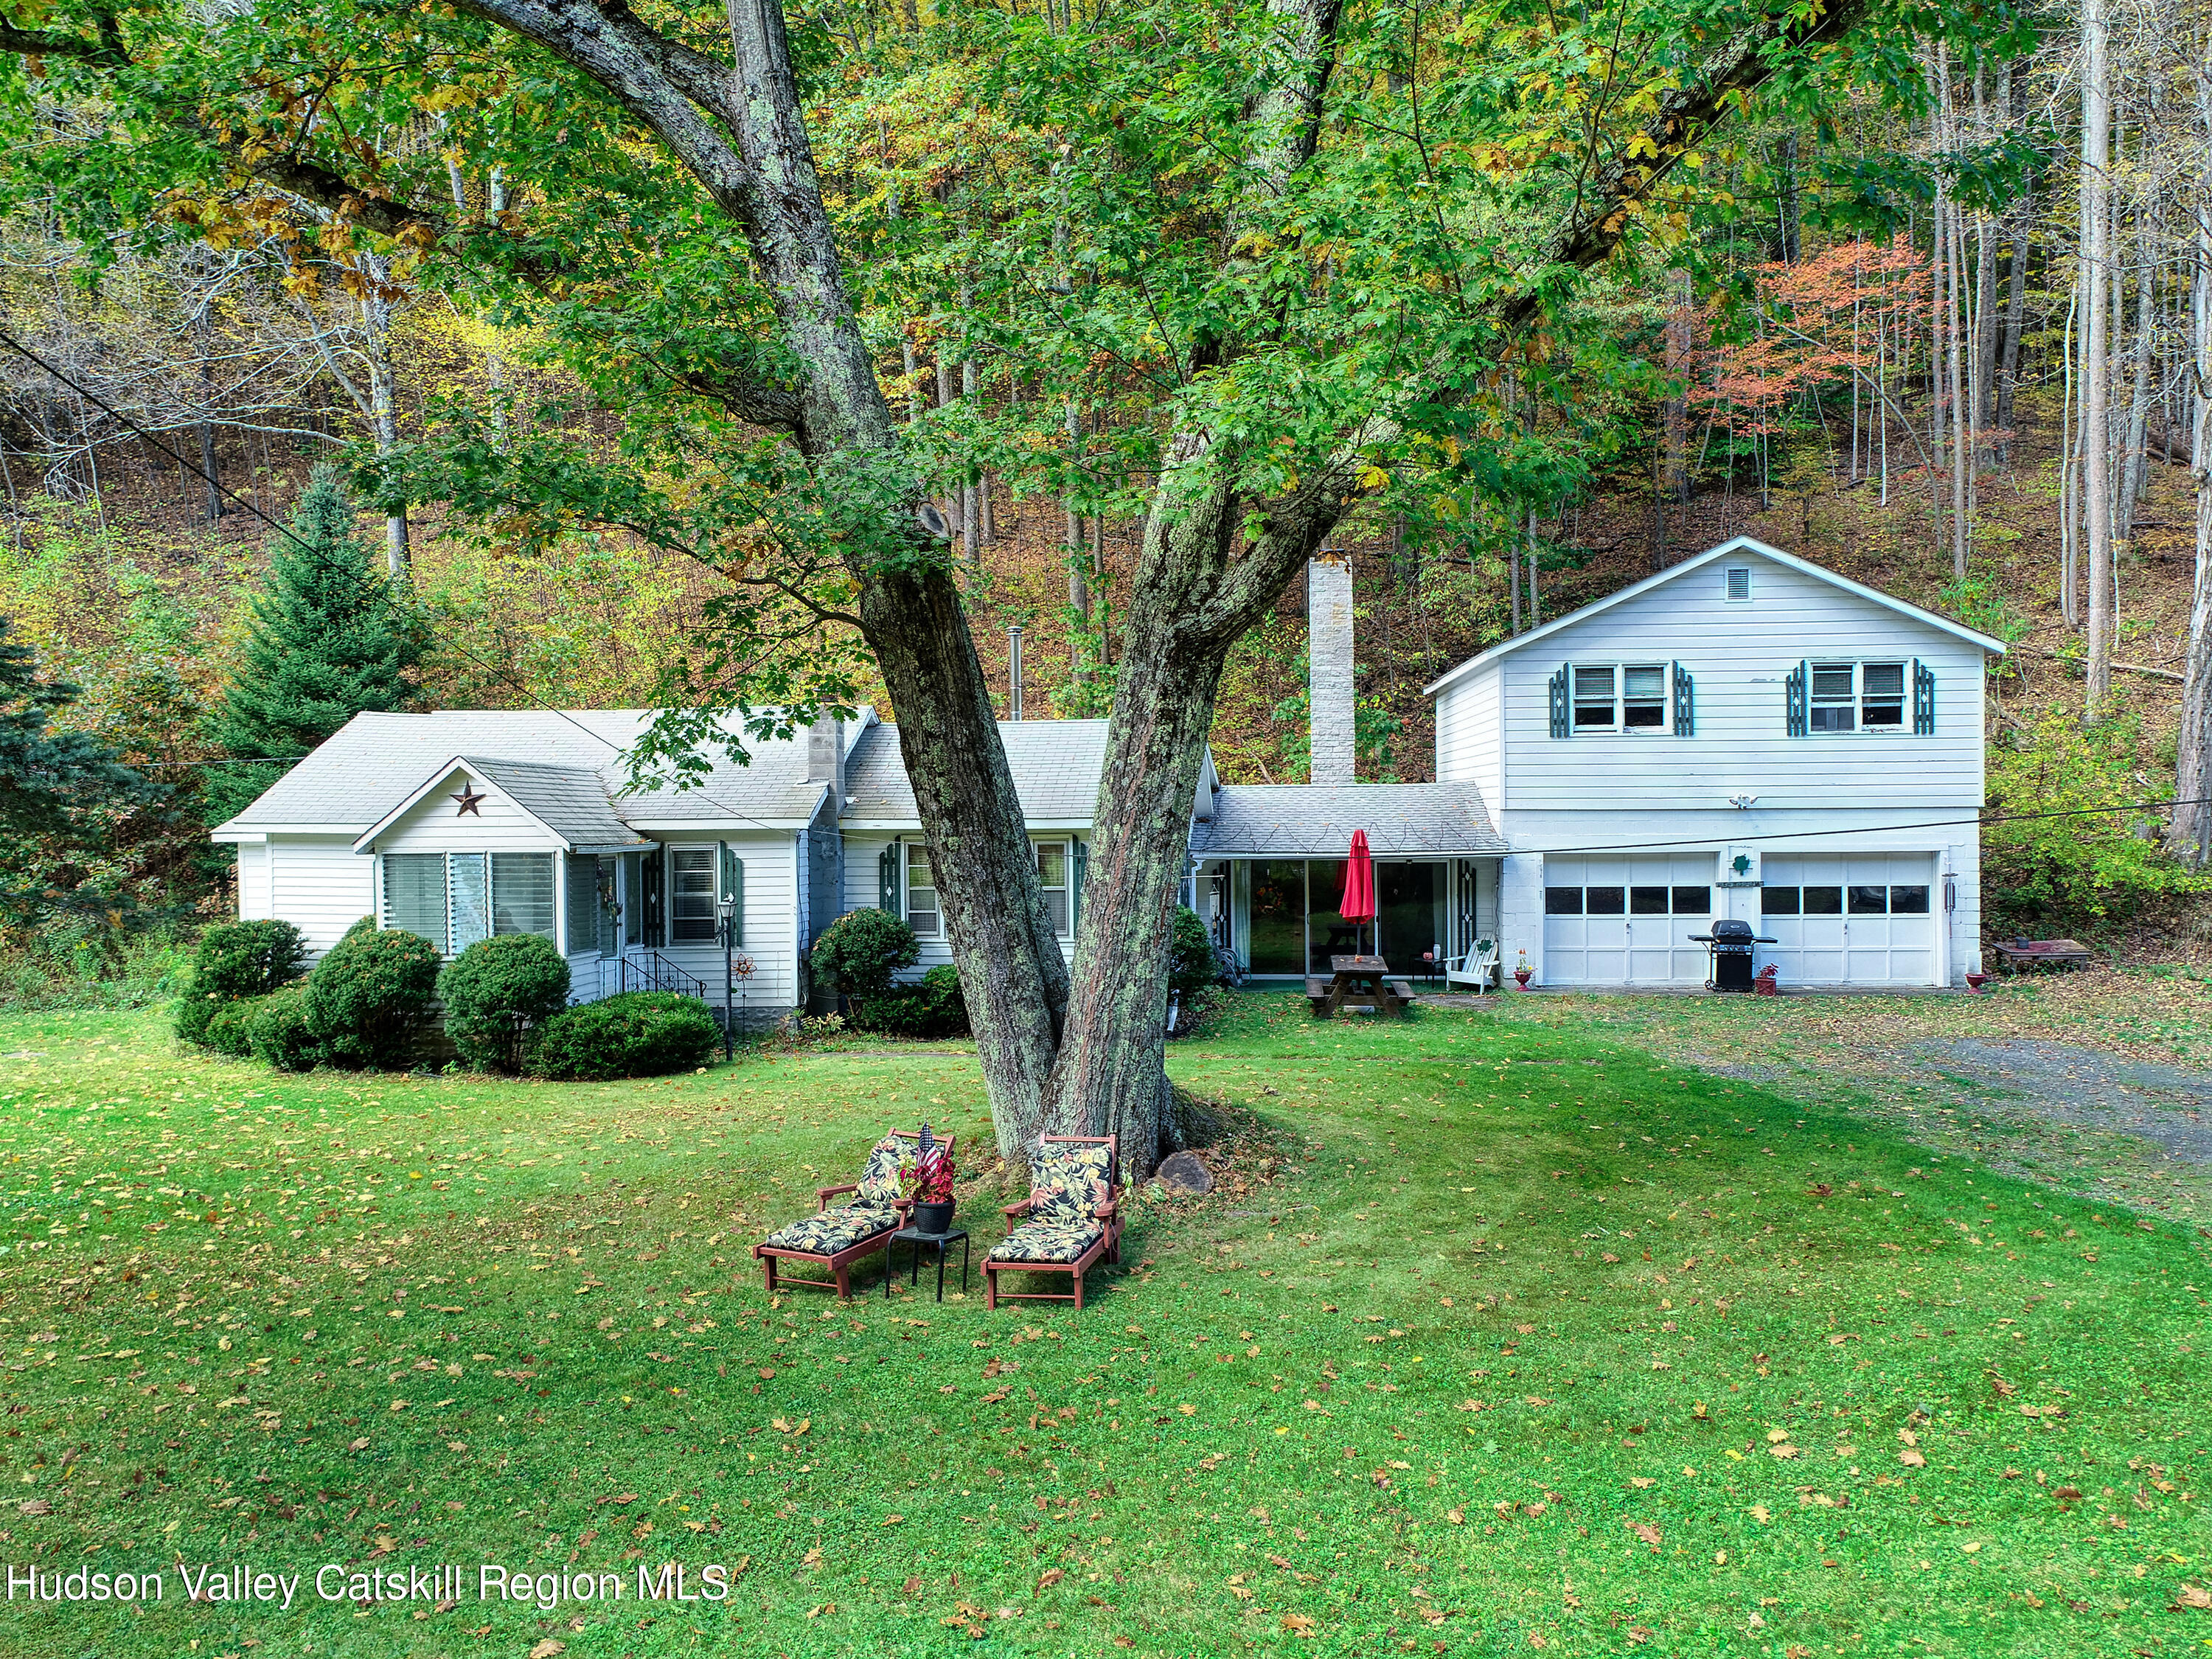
x: 862, y: 949
x: 227, y: 1026
x: 497, y: 988
x: 366, y: 998
x: 1192, y: 964
x: 248, y: 959
x: 637, y: 1034
x: 279, y: 1032
x: 236, y: 961
x: 933, y: 1008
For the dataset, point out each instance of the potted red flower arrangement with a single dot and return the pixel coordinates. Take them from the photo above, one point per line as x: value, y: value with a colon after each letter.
x: 926, y: 1175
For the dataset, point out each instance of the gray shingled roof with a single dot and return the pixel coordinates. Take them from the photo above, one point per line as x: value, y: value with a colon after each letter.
x: 570, y: 801
x: 1401, y: 820
x: 1056, y: 766
x: 375, y: 761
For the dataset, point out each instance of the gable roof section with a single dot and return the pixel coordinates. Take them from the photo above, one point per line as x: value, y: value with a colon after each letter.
x: 1056, y: 766
x: 1402, y: 820
x: 1734, y: 545
x: 350, y: 782
x: 569, y: 803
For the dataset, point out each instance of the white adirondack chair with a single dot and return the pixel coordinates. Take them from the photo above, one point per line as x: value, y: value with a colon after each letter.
x: 1477, y: 967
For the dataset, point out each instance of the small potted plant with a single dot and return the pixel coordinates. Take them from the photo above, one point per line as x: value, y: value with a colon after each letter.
x: 926, y: 1179
x: 1521, y: 971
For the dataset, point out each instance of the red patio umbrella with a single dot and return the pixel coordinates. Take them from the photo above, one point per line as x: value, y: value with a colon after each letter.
x: 1358, y: 904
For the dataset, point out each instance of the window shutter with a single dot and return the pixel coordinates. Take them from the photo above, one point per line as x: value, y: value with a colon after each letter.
x: 733, y: 892
x: 1924, y: 700
x: 1562, y: 714
x: 1685, y: 707
x: 887, y: 877
x: 656, y: 898
x: 583, y: 904
x: 1796, y: 699
x: 1078, y: 866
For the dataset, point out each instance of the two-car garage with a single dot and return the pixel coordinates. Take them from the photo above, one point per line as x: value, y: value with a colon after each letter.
x: 1836, y: 919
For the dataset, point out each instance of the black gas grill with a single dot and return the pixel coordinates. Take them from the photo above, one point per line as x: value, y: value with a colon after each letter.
x: 1728, y: 946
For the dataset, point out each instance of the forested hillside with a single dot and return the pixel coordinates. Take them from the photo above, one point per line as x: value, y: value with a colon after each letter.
x: 1920, y: 294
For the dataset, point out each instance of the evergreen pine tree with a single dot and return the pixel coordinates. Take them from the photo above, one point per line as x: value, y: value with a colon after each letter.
x: 327, y: 639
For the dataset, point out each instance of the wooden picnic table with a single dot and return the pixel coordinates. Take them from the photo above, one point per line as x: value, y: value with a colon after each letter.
x: 1358, y: 982
x: 2019, y: 954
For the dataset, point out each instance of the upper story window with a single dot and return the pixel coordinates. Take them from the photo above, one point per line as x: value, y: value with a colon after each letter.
x: 1862, y: 696
x: 1736, y: 582
x: 1594, y: 698
x: 1621, y: 697
x: 922, y: 912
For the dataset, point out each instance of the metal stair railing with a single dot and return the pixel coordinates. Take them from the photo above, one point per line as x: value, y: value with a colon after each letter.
x: 651, y: 971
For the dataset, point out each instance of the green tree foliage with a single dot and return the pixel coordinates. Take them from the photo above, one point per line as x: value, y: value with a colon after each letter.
x: 328, y: 638
x: 55, y: 785
x: 496, y: 991
x: 367, y: 999
x: 2089, y: 866
x: 636, y: 1034
x: 860, y: 951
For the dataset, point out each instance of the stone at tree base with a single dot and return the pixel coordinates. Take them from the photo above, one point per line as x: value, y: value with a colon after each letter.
x: 1184, y: 1174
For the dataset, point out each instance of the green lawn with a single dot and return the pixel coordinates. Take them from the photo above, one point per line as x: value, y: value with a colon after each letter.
x: 1517, y: 1337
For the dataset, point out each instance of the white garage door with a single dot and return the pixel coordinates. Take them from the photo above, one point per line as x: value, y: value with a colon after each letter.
x: 1854, y: 919
x: 1626, y: 921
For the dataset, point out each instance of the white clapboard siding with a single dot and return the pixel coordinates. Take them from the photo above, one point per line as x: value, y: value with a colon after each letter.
x: 771, y: 923
x: 435, y: 824
x: 1738, y: 655
x: 254, y: 902
x: 318, y: 884
x: 862, y: 889
x: 1470, y: 746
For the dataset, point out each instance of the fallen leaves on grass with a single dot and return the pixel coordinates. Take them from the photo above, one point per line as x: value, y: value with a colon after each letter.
x: 547, y: 1649
x: 1647, y: 1532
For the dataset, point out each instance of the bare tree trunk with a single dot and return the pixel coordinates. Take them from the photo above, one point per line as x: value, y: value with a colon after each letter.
x: 2096, y: 352
x: 2135, y: 445
x: 2015, y: 315
x: 2189, y: 836
x: 383, y: 400
x: 210, y: 473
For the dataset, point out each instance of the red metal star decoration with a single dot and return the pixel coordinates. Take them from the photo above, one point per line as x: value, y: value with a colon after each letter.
x: 468, y: 799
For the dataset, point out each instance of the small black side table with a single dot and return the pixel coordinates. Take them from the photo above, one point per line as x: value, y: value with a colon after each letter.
x: 917, y: 1238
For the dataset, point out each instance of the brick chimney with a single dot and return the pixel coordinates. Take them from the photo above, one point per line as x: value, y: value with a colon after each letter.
x: 1329, y: 659
x: 825, y: 757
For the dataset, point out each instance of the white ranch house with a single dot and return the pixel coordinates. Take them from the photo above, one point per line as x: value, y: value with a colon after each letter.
x: 1745, y: 735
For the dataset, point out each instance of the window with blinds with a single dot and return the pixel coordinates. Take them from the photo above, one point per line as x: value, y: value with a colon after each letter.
x: 521, y: 893
x: 1052, y: 876
x: 471, y: 892
x: 691, y: 895
x: 415, y: 894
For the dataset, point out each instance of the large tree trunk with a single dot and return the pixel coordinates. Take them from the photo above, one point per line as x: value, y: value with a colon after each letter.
x: 2096, y: 351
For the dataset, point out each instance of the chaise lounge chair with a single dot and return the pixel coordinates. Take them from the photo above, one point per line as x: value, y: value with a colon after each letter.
x: 1074, y: 1219
x: 834, y: 1239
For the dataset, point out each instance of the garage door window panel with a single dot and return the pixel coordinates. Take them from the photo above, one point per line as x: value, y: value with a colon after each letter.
x: 1605, y: 901
x: 1823, y: 902
x: 1563, y: 900
x: 1778, y: 902
x: 1908, y: 900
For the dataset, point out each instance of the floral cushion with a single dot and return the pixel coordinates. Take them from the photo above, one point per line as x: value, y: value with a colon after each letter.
x: 1049, y: 1240
x: 880, y: 1174
x: 1071, y: 1183
x: 835, y: 1230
